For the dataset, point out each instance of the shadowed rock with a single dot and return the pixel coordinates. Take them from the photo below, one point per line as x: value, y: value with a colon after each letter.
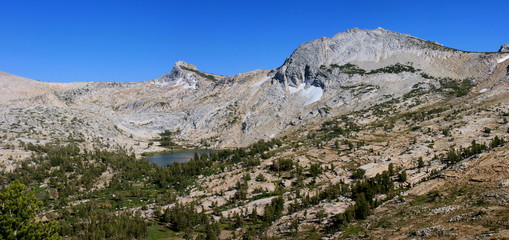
x: 504, y: 48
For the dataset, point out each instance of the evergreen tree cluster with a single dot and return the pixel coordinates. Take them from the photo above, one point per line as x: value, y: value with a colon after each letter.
x: 282, y: 165
x: 95, y: 221
x: 335, y: 128
x: 73, y: 173
x: 364, y: 193
x: 455, y: 155
x: 274, y: 210
x: 261, y: 147
x: 183, y: 217
x: 165, y: 139
x: 352, y: 69
x: 181, y: 175
x: 456, y: 88
x: 396, y: 68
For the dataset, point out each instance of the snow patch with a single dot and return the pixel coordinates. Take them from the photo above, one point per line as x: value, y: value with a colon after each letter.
x: 483, y: 90
x: 503, y: 59
x: 272, y: 136
x: 313, y: 94
x: 261, y: 82
x: 294, y: 90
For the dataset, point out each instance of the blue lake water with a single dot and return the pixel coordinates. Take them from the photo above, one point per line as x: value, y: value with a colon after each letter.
x: 164, y: 159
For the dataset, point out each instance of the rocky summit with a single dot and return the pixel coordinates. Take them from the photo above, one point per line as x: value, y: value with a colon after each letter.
x: 504, y: 48
x: 367, y: 134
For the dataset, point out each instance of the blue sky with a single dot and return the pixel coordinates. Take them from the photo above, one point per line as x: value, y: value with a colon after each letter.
x: 68, y: 41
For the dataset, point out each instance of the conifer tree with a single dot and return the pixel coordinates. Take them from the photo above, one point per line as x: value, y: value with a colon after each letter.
x: 18, y: 208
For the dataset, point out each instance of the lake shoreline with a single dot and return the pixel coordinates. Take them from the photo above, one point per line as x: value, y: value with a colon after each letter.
x: 163, y: 159
x: 144, y: 155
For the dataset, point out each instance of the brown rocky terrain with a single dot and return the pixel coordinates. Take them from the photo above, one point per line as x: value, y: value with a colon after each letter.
x: 373, y: 100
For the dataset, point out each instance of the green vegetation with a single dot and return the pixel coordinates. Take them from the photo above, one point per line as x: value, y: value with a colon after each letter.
x: 402, y: 176
x: 429, y: 198
x: 352, y: 69
x: 315, y: 169
x: 436, y: 46
x: 351, y: 230
x: 102, y: 222
x: 450, y: 86
x: 18, y: 208
x: 358, y: 173
x: 349, y: 69
x: 396, y: 68
x: 183, y: 217
x: 166, y: 138
x: 93, y: 192
x: 455, y: 155
x: 159, y: 232
x: 364, y: 194
x: 336, y: 128
x: 420, y: 162
x: 201, y: 74
x: 274, y: 210
x: 362, y: 207
x: 282, y: 165
x: 456, y: 88
x: 73, y: 175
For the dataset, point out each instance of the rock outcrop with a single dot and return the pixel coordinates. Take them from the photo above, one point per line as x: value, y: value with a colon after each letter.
x: 504, y: 48
x: 324, y: 77
x: 371, y: 49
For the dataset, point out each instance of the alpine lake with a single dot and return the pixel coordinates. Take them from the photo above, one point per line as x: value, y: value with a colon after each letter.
x: 165, y: 159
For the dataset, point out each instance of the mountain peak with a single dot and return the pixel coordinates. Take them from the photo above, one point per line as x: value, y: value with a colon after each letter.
x: 353, y: 30
x: 358, y: 30
x: 179, y: 70
x: 183, y: 71
x: 368, y: 48
x: 183, y: 65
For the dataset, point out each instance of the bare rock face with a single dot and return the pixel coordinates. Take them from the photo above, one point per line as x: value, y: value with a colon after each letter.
x: 219, y: 111
x: 504, y: 48
x: 372, y: 49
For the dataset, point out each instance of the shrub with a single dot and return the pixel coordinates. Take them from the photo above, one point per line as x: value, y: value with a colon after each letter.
x: 358, y: 173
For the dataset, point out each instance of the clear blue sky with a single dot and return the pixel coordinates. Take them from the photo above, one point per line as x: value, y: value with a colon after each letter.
x: 74, y: 40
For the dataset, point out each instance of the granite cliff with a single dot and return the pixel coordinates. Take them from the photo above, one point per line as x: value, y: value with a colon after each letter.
x: 322, y: 78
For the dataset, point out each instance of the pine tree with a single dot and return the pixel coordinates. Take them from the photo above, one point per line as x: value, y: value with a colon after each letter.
x: 358, y: 173
x: 361, y: 207
x: 391, y: 169
x: 402, y: 176
x: 211, y: 231
x: 420, y: 163
x: 18, y: 208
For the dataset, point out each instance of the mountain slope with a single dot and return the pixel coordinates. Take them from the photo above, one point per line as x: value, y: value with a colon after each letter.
x: 374, y: 134
x: 324, y: 77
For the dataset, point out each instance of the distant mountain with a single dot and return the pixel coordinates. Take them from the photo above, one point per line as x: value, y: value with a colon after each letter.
x: 322, y: 78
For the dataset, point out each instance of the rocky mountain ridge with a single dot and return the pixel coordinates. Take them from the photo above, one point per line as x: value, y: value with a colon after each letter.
x: 375, y: 135
x: 323, y: 77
